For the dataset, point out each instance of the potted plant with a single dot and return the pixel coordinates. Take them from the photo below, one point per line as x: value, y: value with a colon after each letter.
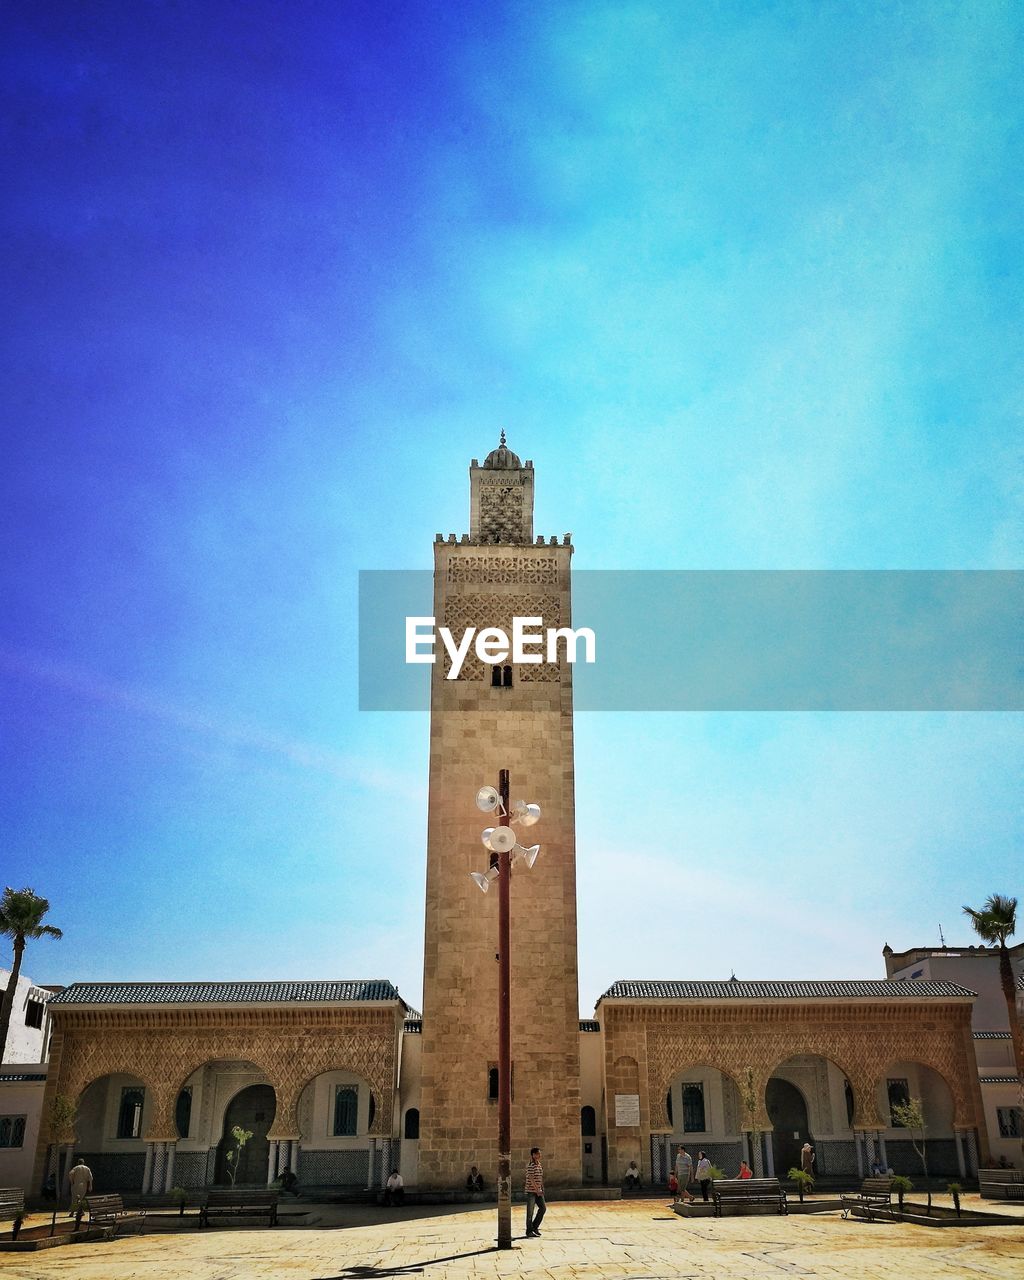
x: 901, y: 1186
x: 804, y: 1181
x: 954, y: 1190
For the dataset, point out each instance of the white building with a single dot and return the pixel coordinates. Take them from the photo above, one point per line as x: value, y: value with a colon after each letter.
x: 23, y: 1078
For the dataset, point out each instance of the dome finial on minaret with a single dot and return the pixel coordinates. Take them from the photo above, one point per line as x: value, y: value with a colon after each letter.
x: 502, y: 458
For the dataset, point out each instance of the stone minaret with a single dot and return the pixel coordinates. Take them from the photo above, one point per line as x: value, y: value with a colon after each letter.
x: 522, y: 723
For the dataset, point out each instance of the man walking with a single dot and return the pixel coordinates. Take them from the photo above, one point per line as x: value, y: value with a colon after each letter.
x: 80, y: 1179
x: 684, y: 1174
x: 534, y: 1193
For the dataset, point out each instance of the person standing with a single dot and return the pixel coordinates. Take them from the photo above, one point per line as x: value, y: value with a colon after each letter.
x: 535, y: 1206
x: 80, y: 1179
x: 394, y: 1192
x: 684, y: 1173
x: 703, y: 1174
x: 807, y: 1158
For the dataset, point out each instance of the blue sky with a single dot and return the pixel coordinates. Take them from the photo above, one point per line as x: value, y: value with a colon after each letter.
x: 744, y: 280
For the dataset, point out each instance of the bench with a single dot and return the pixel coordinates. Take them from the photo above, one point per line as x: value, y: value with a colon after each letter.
x: 996, y: 1184
x: 109, y: 1211
x: 12, y: 1208
x: 746, y: 1192
x: 239, y: 1203
x: 875, y: 1195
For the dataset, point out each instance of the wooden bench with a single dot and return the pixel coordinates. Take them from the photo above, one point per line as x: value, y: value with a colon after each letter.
x: 746, y: 1192
x: 109, y: 1211
x: 996, y: 1184
x: 12, y: 1208
x: 239, y: 1203
x: 875, y: 1195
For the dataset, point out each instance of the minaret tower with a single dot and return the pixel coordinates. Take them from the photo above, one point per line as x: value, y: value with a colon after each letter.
x: 517, y: 718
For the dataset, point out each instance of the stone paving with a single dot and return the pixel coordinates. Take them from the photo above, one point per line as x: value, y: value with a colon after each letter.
x: 638, y: 1240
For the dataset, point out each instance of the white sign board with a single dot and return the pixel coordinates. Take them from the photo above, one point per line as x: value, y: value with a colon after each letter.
x: 627, y: 1110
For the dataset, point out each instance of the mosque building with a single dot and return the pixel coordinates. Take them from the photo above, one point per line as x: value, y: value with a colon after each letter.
x: 339, y: 1081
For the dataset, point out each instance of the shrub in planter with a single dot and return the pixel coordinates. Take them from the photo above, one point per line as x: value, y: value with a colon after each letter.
x: 901, y: 1186
x: 804, y: 1181
x: 954, y: 1190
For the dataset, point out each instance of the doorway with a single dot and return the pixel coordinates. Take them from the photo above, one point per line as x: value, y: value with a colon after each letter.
x: 252, y: 1109
x: 787, y: 1111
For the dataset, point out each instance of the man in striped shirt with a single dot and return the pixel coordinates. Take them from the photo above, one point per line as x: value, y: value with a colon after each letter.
x: 534, y: 1193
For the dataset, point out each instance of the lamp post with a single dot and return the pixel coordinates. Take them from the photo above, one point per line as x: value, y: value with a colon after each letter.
x: 505, y: 849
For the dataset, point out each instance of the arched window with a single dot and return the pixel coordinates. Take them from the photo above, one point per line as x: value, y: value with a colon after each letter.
x: 129, y: 1116
x: 492, y: 1083
x: 183, y: 1112
x: 495, y: 677
x: 506, y: 677
x: 346, y: 1110
x: 588, y: 1122
x: 412, y: 1123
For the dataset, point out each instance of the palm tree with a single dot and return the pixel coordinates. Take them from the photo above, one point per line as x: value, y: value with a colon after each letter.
x: 21, y: 913
x: 994, y: 923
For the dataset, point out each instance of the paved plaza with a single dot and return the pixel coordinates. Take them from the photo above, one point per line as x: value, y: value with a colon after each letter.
x: 639, y: 1239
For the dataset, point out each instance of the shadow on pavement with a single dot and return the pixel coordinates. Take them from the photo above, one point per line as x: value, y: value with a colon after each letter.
x: 411, y: 1269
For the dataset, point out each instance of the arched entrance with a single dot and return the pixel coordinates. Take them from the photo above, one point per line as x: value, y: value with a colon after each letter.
x: 252, y: 1109
x: 112, y: 1114
x: 787, y: 1111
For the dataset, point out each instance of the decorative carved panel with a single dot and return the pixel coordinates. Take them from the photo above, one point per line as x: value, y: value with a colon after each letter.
x: 501, y: 513
x: 486, y: 609
x: 289, y: 1048
x: 514, y: 569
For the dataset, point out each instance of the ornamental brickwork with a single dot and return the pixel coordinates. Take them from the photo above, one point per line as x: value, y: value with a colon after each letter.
x: 646, y: 1046
x: 164, y: 1047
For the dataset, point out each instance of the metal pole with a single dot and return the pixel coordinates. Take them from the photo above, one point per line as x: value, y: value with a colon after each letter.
x: 504, y: 1033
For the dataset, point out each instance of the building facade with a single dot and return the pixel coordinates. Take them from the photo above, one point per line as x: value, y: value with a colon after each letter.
x: 22, y: 1078
x: 338, y: 1082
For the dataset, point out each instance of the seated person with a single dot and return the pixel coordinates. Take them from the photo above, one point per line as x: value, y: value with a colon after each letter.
x: 745, y: 1170
x: 394, y: 1192
x: 632, y: 1179
x: 288, y: 1181
x: 474, y: 1180
x: 877, y: 1171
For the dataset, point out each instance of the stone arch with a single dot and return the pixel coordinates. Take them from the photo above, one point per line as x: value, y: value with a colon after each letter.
x: 671, y: 1052
x: 183, y: 1061
x: 951, y: 1120
x: 375, y: 1104
x: 962, y: 1108
x: 94, y: 1114
x: 730, y: 1101
x: 853, y: 1073
x: 365, y: 1053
